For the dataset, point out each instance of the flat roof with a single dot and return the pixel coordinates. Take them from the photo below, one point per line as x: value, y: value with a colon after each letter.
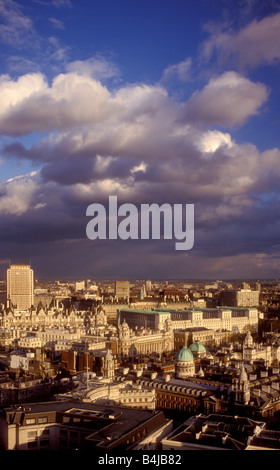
x: 105, y: 425
x: 66, y: 406
x: 148, y: 312
x: 237, y: 308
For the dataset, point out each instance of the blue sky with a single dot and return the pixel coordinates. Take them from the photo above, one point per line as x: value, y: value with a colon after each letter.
x: 153, y: 101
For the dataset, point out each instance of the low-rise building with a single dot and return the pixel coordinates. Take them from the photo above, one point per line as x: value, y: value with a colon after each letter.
x: 71, y: 426
x: 232, y: 319
x: 214, y: 432
x: 240, y: 297
x: 29, y: 342
x: 222, y: 432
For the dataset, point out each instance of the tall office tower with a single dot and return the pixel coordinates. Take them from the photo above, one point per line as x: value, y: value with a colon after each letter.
x: 148, y: 285
x: 20, y: 286
x: 122, y: 289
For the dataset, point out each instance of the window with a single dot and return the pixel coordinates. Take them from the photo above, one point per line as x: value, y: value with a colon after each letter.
x: 30, y: 421
x: 43, y: 419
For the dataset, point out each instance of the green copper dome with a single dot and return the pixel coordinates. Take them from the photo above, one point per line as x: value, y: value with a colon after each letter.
x: 185, y: 354
x: 197, y: 347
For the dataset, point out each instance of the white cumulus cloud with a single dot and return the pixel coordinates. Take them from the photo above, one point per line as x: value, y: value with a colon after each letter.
x: 228, y: 100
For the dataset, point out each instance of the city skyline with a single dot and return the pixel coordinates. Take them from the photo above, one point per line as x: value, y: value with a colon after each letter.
x: 152, y: 102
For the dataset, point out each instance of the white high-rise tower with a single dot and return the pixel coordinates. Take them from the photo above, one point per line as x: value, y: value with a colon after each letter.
x: 20, y: 286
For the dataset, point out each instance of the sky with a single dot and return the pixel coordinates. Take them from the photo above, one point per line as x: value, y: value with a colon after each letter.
x: 152, y: 101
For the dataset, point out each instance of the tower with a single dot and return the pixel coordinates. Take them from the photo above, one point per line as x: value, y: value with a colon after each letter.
x: 124, y: 331
x: 185, y: 366
x: 242, y: 388
x: 108, y: 368
x: 20, y: 286
x: 248, y: 342
x: 124, y: 338
x: 148, y: 285
x: 122, y: 289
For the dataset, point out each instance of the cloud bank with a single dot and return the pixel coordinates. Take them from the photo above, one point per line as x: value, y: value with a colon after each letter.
x: 88, y: 140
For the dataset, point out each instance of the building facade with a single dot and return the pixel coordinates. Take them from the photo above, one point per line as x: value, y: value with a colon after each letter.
x: 240, y: 298
x: 232, y: 319
x: 20, y: 286
x: 72, y: 425
x: 122, y: 289
x: 132, y: 343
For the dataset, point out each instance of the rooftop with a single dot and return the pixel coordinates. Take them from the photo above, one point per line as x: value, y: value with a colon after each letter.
x: 104, y: 425
x: 185, y: 354
x: 222, y: 431
x: 146, y: 312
